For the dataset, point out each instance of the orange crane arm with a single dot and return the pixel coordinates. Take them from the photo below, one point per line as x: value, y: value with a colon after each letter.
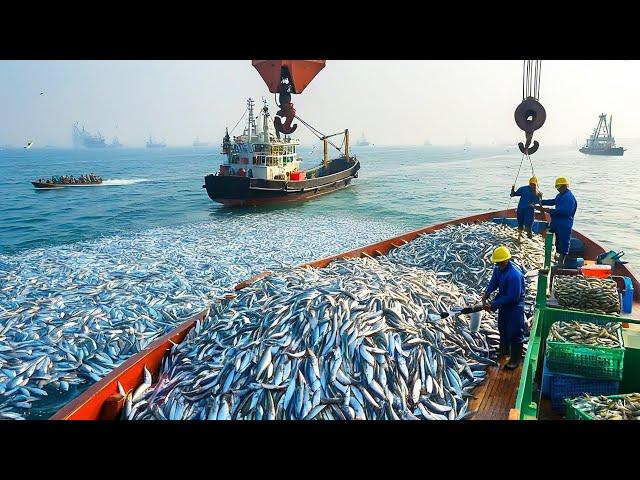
x: 300, y: 72
x: 285, y: 77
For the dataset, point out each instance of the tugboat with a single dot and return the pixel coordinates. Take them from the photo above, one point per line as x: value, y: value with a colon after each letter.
x: 262, y: 167
x: 601, y: 141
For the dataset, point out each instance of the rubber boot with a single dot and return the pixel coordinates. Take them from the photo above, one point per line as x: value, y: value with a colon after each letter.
x: 561, y: 258
x: 504, y: 350
x: 516, y: 353
x: 529, y: 233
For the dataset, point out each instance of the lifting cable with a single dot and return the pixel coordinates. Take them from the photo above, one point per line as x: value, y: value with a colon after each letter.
x: 319, y: 134
x: 315, y: 131
x: 245, y: 112
x: 531, y: 71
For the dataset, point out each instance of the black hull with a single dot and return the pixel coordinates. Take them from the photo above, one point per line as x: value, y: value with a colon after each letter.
x: 244, y: 191
x: 610, y: 152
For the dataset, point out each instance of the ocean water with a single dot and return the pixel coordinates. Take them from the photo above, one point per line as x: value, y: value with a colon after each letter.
x: 153, y: 214
x: 404, y: 187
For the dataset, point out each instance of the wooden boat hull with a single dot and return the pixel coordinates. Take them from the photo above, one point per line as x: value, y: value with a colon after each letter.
x: 63, y: 185
x: 234, y: 191
x: 89, y: 405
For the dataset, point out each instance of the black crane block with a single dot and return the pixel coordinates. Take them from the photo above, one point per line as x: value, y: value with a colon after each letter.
x: 530, y: 115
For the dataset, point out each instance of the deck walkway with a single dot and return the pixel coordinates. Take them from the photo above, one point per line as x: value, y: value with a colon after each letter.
x: 497, y: 395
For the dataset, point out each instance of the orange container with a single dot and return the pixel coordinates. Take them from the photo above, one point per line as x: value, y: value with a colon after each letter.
x: 599, y: 271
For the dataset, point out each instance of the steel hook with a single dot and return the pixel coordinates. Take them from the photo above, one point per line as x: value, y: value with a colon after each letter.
x: 530, y: 115
x: 288, y: 113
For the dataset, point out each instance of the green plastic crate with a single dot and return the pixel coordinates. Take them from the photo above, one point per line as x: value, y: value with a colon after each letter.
x: 575, y: 413
x: 596, y: 362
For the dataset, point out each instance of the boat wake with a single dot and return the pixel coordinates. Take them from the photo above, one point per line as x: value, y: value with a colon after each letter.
x: 124, y: 181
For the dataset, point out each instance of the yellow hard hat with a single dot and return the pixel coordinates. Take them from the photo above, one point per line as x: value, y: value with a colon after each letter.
x: 533, y: 180
x: 562, y: 181
x: 500, y: 254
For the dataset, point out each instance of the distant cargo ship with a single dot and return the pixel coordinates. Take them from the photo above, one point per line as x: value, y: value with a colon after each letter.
x: 82, y: 138
x: 152, y: 144
x: 601, y: 141
x: 363, y: 142
x: 198, y: 143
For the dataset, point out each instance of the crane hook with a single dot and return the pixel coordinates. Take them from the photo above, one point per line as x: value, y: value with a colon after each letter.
x: 530, y: 115
x: 288, y: 113
x: 286, y: 107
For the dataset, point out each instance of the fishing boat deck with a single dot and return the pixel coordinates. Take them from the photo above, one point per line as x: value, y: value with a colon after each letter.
x: 497, y: 395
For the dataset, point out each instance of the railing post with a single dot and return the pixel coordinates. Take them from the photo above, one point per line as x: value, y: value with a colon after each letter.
x: 541, y: 293
x: 548, y: 245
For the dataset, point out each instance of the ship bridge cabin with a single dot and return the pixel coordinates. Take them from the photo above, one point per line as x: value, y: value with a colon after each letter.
x: 260, y: 152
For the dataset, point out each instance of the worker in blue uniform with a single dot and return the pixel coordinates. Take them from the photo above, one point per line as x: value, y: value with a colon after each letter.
x: 509, y: 302
x: 561, y: 217
x: 529, y: 196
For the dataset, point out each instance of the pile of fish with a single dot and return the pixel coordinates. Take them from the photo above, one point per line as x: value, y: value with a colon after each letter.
x: 589, y: 294
x: 70, y: 314
x: 360, y: 339
x: 622, y: 407
x: 586, y: 333
x: 462, y: 254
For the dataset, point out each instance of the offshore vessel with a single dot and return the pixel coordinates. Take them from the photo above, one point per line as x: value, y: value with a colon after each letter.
x: 153, y: 144
x: 363, y: 142
x: 262, y: 167
x: 601, y: 141
x: 82, y: 138
x: 198, y: 143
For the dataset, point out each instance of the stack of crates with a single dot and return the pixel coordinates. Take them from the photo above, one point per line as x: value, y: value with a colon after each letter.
x: 573, y: 369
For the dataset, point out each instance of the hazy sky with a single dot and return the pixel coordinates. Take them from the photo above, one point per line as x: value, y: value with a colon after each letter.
x: 393, y: 102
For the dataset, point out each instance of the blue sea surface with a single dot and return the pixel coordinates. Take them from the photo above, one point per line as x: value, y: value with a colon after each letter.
x: 407, y: 186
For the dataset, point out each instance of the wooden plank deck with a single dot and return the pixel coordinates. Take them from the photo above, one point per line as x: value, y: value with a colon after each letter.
x: 497, y: 395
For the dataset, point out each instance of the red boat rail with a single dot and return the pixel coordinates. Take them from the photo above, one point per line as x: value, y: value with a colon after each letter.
x: 102, y: 401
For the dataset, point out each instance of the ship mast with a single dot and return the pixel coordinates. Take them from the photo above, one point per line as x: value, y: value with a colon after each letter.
x: 265, y: 121
x: 251, y: 126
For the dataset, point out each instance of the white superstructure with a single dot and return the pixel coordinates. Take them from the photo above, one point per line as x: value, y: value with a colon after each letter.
x: 260, y: 152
